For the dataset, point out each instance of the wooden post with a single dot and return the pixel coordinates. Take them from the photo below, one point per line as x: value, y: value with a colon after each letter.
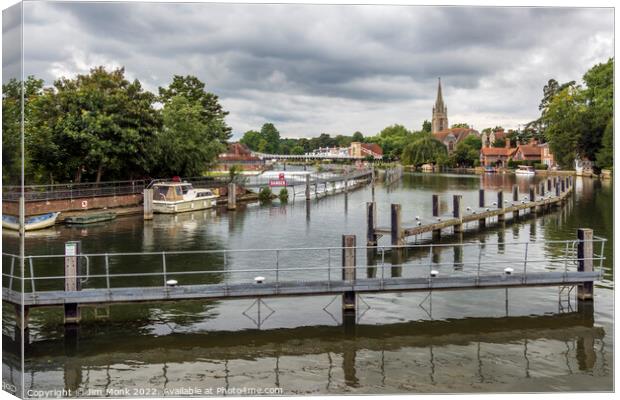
x: 532, y: 198
x: 563, y: 185
x: 371, y: 220
x: 457, y: 211
x: 348, y: 272
x: 548, y: 184
x: 398, y: 237
x: 346, y: 186
x: 147, y: 201
x: 542, y: 189
x: 481, y: 221
x: 308, y: 187
x: 515, y: 193
x: 585, y: 253
x: 72, y: 281
x: 557, y: 189
x: 232, y: 196
x: 435, y: 205
x: 500, y: 204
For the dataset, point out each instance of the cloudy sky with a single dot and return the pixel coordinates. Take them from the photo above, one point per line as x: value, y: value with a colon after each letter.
x: 335, y: 69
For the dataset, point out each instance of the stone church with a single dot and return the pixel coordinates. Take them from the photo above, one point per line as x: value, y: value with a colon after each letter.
x: 450, y: 137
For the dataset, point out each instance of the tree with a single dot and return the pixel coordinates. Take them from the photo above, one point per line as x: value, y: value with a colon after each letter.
x: 424, y: 150
x: 599, y: 99
x: 11, y: 126
x: 297, y: 150
x: 427, y: 126
x: 467, y: 152
x: 358, y: 137
x: 605, y: 156
x: 251, y: 139
x: 95, y: 124
x: 193, y: 89
x: 271, y: 137
x: 186, y: 146
x: 393, y: 140
x: 460, y: 125
x: 500, y: 142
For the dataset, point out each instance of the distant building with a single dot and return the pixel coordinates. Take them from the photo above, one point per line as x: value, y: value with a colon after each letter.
x: 496, y: 156
x: 359, y: 149
x: 546, y: 156
x: 440, y: 113
x: 453, y: 136
x: 330, y: 151
x: 239, y: 154
x: 528, y: 152
x: 489, y: 138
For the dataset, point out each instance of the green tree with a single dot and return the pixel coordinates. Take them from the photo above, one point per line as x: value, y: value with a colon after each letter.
x: 605, y: 156
x: 599, y: 99
x: 11, y: 126
x: 186, y: 146
x: 467, y: 153
x: 251, y: 139
x: 271, y: 137
x: 424, y: 150
x: 500, y: 142
x: 427, y: 126
x: 460, y: 125
x: 211, y: 111
x: 393, y: 140
x: 297, y: 150
x: 358, y: 136
x: 95, y: 124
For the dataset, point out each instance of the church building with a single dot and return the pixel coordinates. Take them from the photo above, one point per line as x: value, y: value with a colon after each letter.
x: 450, y: 137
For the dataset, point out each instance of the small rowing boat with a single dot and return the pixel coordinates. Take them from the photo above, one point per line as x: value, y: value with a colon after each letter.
x: 31, y: 223
x: 90, y: 218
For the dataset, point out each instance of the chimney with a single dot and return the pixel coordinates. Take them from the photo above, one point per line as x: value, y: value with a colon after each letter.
x: 507, y: 143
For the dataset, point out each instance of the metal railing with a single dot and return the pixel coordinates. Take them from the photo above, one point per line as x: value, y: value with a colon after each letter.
x: 73, y: 190
x: 312, y: 264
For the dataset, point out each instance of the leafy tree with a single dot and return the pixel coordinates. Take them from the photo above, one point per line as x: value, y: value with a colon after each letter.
x: 211, y: 111
x: 427, y: 126
x: 251, y: 139
x: 500, y: 142
x: 95, y: 124
x: 467, y: 153
x: 283, y: 195
x: 424, y: 150
x: 605, y: 156
x: 460, y: 125
x: 186, y: 146
x: 271, y: 137
x: 297, y: 150
x: 343, y: 141
x: 11, y: 126
x: 358, y: 137
x: 393, y: 140
x: 599, y: 99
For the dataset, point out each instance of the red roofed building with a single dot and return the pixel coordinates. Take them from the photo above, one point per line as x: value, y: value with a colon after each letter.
x: 497, y: 156
x: 363, y: 150
x: 453, y: 136
x: 239, y: 154
x: 528, y: 152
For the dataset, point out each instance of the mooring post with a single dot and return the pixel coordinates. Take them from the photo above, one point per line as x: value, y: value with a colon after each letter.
x: 500, y: 204
x: 515, y: 193
x: 348, y: 275
x: 542, y: 189
x: 371, y: 221
x: 346, y: 186
x: 307, y: 187
x: 147, y: 201
x: 436, y: 232
x: 398, y: 237
x: 532, y: 198
x: 585, y: 253
x: 563, y: 185
x: 456, y: 211
x: 232, y: 196
x: 72, y: 279
x: 548, y: 184
x: 557, y: 189
x: 481, y: 221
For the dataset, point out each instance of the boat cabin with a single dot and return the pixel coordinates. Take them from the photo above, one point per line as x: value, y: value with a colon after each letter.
x: 177, y: 191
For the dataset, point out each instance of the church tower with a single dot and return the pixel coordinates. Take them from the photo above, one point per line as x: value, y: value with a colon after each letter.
x: 440, y: 112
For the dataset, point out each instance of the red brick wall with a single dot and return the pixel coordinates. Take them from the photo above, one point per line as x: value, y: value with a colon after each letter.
x: 86, y: 203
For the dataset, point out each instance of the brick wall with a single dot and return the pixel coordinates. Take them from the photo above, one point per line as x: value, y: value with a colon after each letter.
x: 86, y: 203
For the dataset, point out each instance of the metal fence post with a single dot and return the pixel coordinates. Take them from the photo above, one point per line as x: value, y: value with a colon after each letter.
x: 348, y: 273
x: 585, y: 251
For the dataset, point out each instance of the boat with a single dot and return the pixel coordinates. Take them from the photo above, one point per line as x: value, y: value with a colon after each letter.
x: 31, y: 223
x: 90, y: 218
x: 525, y: 170
x: 490, y: 169
x: 176, y: 197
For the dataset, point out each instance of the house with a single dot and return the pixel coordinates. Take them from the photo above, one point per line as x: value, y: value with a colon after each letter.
x: 363, y: 150
x: 239, y: 154
x: 546, y: 156
x: 453, y: 136
x: 528, y: 152
x: 497, y: 156
x: 489, y: 138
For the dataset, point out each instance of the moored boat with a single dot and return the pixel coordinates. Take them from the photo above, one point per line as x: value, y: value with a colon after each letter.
x: 176, y: 197
x: 90, y: 218
x: 525, y: 170
x: 30, y: 223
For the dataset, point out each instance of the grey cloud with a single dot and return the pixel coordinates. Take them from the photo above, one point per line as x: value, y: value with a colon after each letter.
x: 343, y: 57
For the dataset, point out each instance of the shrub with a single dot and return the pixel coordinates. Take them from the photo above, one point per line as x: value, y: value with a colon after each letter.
x: 540, y: 166
x: 283, y: 195
x: 265, y: 194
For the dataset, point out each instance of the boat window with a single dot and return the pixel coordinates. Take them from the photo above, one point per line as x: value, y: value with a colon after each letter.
x: 178, y: 191
x: 185, y: 188
x: 160, y: 192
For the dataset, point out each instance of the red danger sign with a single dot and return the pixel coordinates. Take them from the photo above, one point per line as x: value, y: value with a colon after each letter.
x: 279, y: 182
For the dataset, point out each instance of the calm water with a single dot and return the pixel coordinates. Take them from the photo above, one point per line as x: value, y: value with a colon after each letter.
x: 471, y: 341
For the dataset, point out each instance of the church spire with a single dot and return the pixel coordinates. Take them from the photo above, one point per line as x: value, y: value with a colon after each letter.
x: 439, y: 101
x: 440, y: 112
